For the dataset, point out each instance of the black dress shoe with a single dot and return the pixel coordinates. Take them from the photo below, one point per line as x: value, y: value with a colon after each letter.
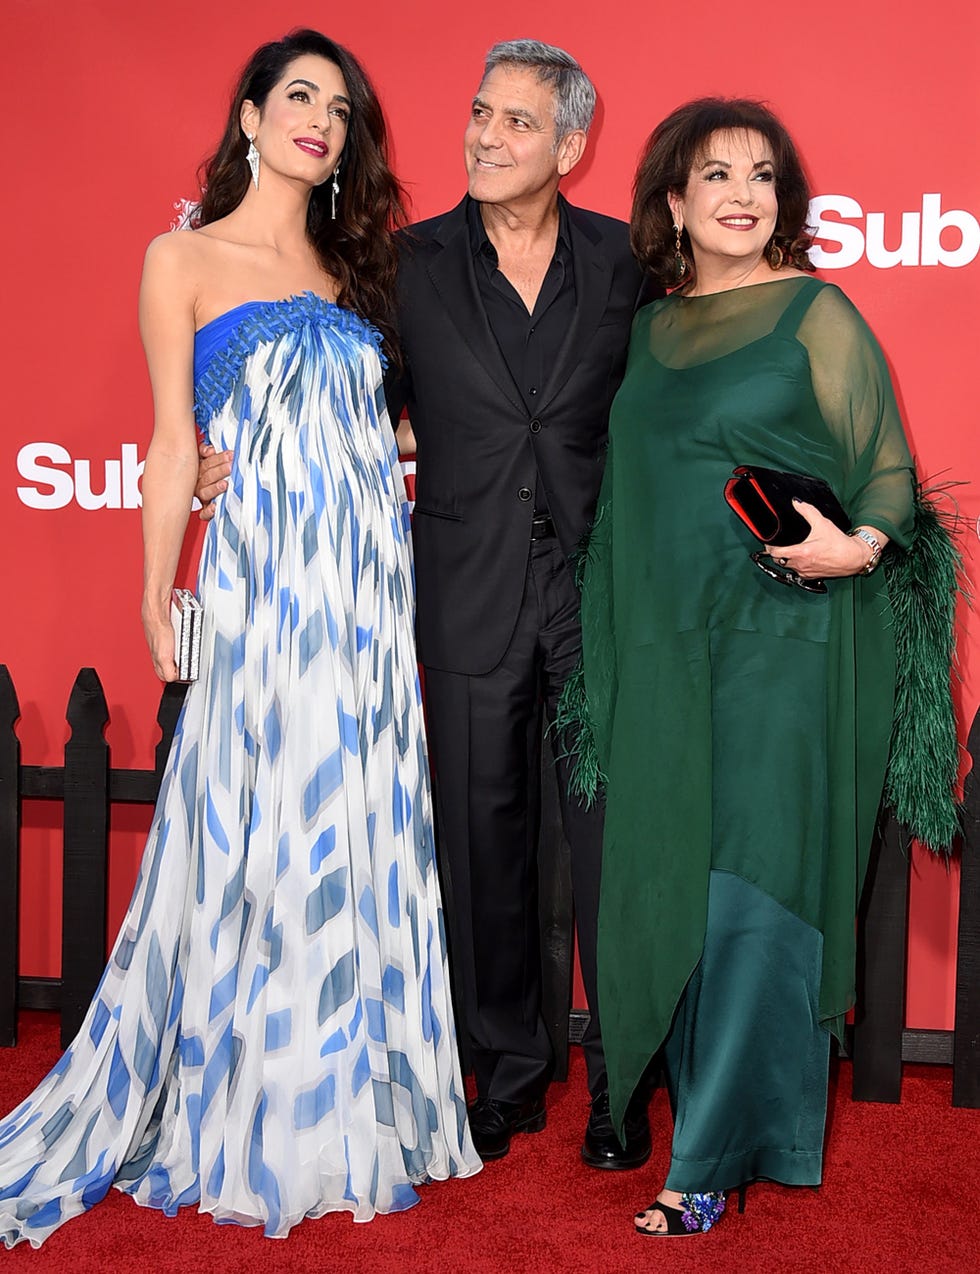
x: 603, y: 1149
x: 493, y: 1123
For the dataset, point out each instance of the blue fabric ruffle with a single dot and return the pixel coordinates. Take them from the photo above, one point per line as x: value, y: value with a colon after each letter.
x: 222, y: 346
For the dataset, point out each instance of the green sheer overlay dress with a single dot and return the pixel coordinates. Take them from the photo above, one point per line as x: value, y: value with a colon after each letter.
x: 742, y: 725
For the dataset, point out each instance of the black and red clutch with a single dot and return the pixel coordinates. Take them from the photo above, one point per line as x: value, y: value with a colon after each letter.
x: 763, y: 499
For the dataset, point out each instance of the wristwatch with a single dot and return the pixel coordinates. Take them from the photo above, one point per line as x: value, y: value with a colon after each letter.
x: 860, y: 533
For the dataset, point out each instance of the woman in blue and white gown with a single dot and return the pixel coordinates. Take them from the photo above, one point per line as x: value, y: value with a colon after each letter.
x: 273, y: 1036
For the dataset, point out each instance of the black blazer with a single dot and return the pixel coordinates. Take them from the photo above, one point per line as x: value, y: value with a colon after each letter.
x: 481, y: 454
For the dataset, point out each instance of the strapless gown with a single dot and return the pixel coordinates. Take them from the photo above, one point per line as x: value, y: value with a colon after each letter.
x: 273, y: 1036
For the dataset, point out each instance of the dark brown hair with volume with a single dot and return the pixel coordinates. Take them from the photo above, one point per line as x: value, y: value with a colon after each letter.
x: 674, y: 148
x: 357, y: 248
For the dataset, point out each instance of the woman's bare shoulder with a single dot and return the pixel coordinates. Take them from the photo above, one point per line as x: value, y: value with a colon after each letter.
x: 190, y: 264
x: 176, y: 247
x: 172, y: 274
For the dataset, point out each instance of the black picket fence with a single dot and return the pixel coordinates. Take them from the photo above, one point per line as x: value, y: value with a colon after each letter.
x: 88, y: 786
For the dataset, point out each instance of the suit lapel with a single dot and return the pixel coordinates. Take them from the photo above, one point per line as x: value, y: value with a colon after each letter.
x: 593, y: 279
x: 452, y: 274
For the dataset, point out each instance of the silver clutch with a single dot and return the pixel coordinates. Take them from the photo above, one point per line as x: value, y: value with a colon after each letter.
x: 187, y: 615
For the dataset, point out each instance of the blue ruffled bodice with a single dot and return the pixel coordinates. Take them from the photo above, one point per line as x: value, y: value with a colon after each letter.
x: 222, y: 345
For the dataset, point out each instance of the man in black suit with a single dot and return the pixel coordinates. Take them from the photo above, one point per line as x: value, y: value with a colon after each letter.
x: 514, y: 316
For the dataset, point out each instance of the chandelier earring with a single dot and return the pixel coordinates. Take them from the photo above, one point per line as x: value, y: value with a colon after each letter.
x: 252, y: 158
x: 680, y: 261
x: 334, y: 192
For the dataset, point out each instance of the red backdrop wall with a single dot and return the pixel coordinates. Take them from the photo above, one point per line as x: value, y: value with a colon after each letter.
x: 113, y: 105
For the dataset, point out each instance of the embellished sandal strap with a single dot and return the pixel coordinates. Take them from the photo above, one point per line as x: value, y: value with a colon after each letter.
x: 699, y: 1212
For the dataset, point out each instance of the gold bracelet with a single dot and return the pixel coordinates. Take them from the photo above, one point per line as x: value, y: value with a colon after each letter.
x: 861, y: 534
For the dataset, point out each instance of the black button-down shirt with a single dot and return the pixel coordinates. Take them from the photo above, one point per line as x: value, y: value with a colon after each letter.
x: 529, y: 343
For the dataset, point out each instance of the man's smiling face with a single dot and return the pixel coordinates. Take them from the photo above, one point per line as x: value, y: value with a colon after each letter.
x: 510, y: 140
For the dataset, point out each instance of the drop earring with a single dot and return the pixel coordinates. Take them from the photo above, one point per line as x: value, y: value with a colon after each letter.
x: 252, y: 158
x: 334, y: 192
x: 680, y: 261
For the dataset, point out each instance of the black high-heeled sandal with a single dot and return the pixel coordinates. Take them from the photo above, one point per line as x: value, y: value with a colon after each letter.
x: 696, y: 1215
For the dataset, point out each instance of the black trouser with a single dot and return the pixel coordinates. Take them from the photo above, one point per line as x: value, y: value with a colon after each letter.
x: 484, y: 733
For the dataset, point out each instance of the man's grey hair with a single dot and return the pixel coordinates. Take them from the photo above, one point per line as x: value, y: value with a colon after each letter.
x: 573, y: 90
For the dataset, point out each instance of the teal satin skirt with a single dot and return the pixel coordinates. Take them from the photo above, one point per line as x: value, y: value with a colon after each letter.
x: 746, y: 1059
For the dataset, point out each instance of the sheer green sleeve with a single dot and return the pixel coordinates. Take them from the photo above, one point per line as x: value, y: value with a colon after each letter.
x: 858, y: 404
x: 857, y: 401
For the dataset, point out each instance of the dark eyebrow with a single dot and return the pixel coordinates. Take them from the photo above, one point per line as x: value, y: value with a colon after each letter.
x: 337, y: 97
x: 516, y: 112
x: 720, y: 163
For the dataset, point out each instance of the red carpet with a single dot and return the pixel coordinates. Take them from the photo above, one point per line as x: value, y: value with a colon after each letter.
x: 901, y: 1194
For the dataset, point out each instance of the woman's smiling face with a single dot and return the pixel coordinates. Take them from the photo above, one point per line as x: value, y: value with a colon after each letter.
x: 729, y: 205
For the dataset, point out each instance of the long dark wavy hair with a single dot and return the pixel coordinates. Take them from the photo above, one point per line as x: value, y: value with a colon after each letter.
x: 671, y: 152
x: 357, y: 248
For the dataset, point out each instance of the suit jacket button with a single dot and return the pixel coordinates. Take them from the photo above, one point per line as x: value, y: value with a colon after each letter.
x: 524, y: 494
x: 535, y: 426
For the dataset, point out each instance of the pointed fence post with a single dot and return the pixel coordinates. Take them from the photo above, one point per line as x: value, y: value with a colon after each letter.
x: 882, y: 942
x: 86, y: 847
x: 171, y: 705
x: 9, y: 857
x: 966, y: 1030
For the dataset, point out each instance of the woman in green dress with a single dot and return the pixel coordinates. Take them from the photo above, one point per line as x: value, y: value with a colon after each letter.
x: 742, y: 725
